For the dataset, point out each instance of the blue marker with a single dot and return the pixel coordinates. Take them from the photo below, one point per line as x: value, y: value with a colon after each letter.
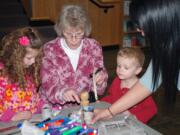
x: 86, y: 131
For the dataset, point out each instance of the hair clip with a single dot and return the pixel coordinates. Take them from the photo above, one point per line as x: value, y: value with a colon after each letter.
x: 24, y: 41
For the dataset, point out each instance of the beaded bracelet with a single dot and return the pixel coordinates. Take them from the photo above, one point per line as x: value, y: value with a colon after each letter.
x: 110, y: 112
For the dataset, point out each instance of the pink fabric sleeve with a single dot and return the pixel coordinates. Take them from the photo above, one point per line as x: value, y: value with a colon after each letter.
x: 7, y: 115
x: 51, y: 88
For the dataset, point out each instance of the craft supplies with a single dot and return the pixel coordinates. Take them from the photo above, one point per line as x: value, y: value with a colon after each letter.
x: 94, y: 85
x: 87, y: 110
x: 46, y: 112
x: 28, y: 129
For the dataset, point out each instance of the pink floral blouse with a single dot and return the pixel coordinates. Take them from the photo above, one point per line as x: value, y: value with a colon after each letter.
x: 58, y: 75
x: 15, y: 99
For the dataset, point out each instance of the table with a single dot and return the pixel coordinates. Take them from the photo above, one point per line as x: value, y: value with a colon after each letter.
x: 119, y: 125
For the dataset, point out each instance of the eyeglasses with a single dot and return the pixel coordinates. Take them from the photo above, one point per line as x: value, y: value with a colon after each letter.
x: 77, y: 35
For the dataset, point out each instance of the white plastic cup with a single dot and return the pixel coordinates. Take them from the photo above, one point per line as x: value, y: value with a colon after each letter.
x: 46, y: 113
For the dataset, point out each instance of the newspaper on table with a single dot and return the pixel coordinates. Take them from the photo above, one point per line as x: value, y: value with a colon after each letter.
x: 124, y: 125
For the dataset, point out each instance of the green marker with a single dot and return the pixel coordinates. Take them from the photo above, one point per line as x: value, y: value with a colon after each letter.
x: 72, y: 130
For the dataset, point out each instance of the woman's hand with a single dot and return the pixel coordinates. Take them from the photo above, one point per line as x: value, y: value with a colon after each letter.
x: 101, y: 114
x: 25, y: 115
x: 71, y: 96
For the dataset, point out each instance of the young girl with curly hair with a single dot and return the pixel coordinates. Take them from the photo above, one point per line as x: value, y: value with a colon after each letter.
x: 20, y: 58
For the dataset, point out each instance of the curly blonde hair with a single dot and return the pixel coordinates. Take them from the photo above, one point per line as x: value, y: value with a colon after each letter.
x: 12, y: 54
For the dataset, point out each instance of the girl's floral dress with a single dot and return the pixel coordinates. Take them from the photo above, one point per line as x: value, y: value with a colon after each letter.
x: 16, y: 99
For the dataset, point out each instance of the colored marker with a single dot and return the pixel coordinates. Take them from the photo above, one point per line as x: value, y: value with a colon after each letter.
x: 73, y: 130
x: 86, y: 131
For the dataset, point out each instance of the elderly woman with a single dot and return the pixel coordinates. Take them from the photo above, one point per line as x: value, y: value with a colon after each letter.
x: 71, y: 58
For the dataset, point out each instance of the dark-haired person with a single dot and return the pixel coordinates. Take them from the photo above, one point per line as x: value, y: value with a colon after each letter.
x: 159, y: 22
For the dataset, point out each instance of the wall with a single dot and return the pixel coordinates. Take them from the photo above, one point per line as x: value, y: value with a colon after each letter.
x: 107, y: 26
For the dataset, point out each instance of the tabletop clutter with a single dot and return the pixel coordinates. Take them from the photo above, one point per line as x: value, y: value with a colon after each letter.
x: 78, y: 122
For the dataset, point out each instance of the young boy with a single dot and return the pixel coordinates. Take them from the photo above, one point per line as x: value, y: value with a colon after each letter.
x: 129, y: 64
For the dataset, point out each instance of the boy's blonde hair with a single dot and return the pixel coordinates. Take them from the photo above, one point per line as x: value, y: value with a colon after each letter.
x: 73, y: 16
x: 13, y: 52
x: 136, y: 53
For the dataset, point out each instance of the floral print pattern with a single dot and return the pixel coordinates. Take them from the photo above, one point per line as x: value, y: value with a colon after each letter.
x: 58, y: 75
x: 18, y: 99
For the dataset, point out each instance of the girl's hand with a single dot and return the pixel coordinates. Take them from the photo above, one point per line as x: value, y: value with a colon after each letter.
x: 100, y: 78
x: 25, y: 115
x: 101, y: 114
x: 71, y: 96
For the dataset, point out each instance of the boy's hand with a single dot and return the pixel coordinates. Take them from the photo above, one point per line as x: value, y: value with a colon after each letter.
x: 98, y: 101
x: 101, y: 114
x: 128, y: 113
x: 25, y: 115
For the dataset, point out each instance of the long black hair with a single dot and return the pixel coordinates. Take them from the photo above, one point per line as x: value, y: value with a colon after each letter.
x: 160, y: 21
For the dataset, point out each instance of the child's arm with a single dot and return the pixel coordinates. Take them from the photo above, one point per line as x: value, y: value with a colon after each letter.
x: 7, y: 115
x: 10, y: 115
x: 25, y: 115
